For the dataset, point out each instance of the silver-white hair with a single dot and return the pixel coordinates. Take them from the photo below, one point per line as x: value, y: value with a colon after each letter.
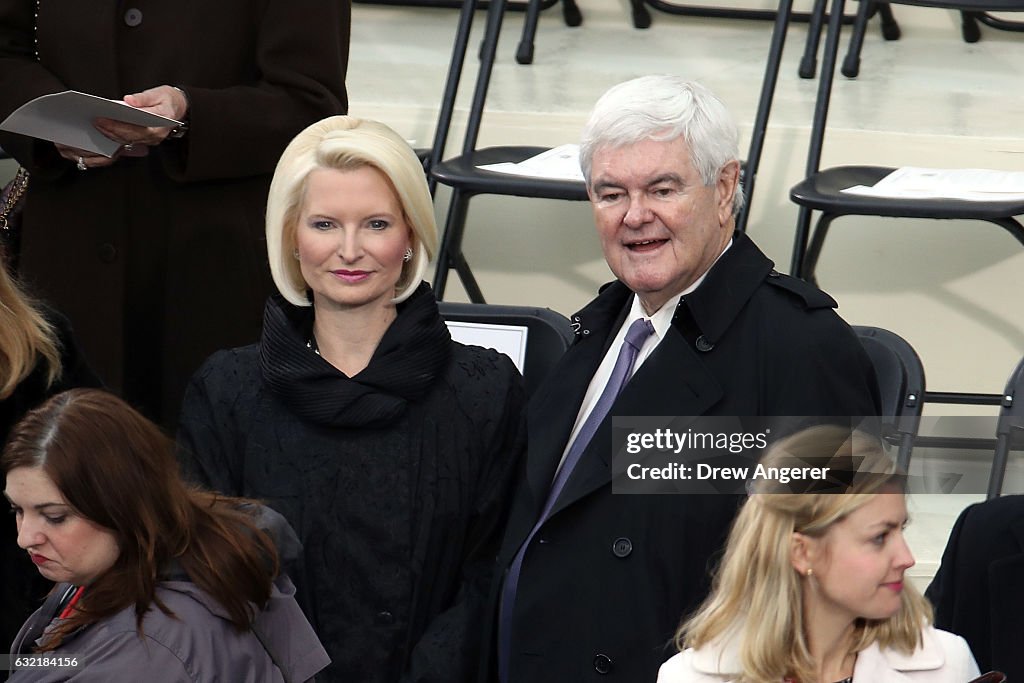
x: 664, y: 107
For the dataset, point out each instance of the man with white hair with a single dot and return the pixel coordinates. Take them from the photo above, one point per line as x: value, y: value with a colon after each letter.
x: 696, y: 323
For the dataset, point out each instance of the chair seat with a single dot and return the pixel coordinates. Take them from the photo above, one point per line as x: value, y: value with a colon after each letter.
x: 462, y: 172
x: 822, y: 191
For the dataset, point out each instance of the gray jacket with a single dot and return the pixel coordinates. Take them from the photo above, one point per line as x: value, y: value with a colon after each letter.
x: 198, y: 644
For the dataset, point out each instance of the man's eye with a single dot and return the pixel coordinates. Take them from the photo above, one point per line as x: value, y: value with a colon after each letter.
x: 611, y: 196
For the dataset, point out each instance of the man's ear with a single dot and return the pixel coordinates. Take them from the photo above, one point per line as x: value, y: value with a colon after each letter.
x: 727, y: 185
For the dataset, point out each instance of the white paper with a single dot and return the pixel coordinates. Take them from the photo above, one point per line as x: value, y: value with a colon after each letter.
x: 67, y: 117
x: 558, y: 163
x: 507, y: 339
x: 971, y: 184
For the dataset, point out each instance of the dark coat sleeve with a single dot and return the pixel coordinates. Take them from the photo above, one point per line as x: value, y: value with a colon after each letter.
x: 238, y: 131
x: 449, y: 648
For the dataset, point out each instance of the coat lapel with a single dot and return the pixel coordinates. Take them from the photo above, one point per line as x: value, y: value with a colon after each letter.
x: 552, y: 411
x: 672, y: 381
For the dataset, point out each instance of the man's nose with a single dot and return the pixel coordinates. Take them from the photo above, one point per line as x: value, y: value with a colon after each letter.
x: 638, y: 213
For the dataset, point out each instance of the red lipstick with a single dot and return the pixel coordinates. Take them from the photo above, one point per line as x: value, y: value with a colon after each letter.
x: 351, y: 275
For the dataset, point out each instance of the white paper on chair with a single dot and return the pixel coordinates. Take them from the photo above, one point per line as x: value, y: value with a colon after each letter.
x: 558, y: 163
x: 507, y: 339
x: 971, y: 184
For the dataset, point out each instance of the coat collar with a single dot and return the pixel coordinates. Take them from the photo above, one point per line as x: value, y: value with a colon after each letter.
x: 714, y: 305
x: 873, y: 663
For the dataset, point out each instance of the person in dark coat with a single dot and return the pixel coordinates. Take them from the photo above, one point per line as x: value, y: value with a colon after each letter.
x: 978, y: 592
x: 389, y: 447
x: 156, y: 254
x: 595, y: 584
x: 156, y: 580
x: 39, y: 357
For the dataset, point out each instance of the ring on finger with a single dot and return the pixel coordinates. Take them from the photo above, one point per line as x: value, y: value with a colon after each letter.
x: 81, y: 164
x: 129, y: 146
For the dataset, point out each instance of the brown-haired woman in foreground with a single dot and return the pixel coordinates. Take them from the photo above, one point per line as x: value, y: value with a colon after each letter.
x: 38, y: 358
x: 811, y: 588
x: 156, y: 581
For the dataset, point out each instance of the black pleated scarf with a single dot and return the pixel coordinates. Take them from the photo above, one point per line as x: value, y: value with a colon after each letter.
x: 410, y: 356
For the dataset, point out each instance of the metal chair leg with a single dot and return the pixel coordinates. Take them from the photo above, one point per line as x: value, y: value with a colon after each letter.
x: 809, y: 63
x: 451, y: 243
x: 817, y: 242
x: 969, y: 27
x: 851, y: 65
x: 890, y: 28
x: 571, y: 13
x: 641, y: 15
x: 524, y: 53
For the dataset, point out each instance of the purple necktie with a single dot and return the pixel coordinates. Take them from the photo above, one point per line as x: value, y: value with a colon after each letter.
x: 623, y: 370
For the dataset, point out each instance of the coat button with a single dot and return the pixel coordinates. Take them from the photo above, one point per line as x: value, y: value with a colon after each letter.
x: 385, y: 618
x: 107, y: 252
x: 602, y: 664
x: 133, y: 17
x: 622, y: 547
x: 703, y: 344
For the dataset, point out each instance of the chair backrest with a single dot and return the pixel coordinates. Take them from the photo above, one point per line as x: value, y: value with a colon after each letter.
x: 548, y: 334
x: 900, y: 376
x: 1009, y: 428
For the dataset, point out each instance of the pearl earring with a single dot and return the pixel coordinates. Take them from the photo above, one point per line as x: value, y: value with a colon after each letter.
x: 295, y: 253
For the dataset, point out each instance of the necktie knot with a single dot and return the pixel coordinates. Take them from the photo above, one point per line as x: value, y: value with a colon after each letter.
x: 638, y: 332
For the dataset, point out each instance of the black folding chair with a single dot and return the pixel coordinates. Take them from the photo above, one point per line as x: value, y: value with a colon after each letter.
x: 901, y: 380
x: 548, y: 334
x: 1009, y: 429
x: 821, y: 190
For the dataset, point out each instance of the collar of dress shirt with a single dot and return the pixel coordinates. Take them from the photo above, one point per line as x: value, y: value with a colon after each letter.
x: 662, y: 318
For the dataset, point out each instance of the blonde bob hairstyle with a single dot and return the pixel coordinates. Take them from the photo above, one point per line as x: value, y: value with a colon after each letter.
x: 757, y: 596
x: 345, y: 143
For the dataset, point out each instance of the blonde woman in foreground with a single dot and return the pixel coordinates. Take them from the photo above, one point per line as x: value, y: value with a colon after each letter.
x: 811, y: 588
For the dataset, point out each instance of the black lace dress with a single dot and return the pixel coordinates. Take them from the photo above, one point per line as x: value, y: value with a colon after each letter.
x: 396, y: 480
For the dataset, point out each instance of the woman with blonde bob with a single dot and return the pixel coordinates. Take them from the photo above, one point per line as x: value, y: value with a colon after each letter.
x: 389, y: 447
x: 811, y: 588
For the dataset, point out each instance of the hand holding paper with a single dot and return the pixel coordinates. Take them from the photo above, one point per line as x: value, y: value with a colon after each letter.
x: 164, y: 101
x: 68, y: 118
